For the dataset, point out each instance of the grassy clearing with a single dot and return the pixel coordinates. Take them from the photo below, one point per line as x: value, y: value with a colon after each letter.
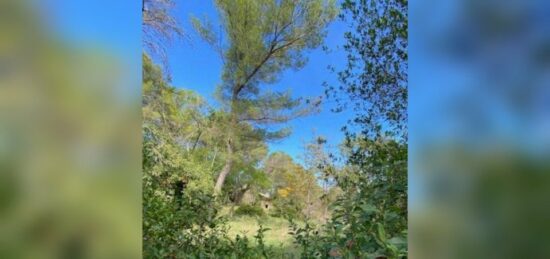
x: 277, y: 236
x: 248, y: 226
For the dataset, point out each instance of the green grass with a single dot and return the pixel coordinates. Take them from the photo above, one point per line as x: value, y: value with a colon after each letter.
x: 248, y: 226
x: 277, y: 237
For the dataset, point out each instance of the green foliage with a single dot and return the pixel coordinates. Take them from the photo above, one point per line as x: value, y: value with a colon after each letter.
x: 178, y: 210
x: 375, y: 77
x: 250, y: 210
x: 294, y: 188
x: 265, y: 37
x: 286, y: 208
x: 262, y: 248
x: 370, y: 218
x: 180, y: 213
x: 173, y: 229
x: 167, y: 114
x: 308, y: 240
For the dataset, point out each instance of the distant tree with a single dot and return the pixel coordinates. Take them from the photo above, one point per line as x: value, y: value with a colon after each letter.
x: 295, y: 190
x: 262, y: 38
x: 320, y: 162
x: 279, y: 167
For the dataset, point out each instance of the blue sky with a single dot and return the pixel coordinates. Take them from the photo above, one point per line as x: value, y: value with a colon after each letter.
x: 194, y: 65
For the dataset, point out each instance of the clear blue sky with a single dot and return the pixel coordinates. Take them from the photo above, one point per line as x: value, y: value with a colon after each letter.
x: 196, y: 66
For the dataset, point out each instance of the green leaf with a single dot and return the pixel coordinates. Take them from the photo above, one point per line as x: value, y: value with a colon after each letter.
x: 381, y: 232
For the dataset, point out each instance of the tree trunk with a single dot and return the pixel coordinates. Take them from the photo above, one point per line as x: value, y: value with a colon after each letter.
x: 225, y: 170
x: 229, y: 160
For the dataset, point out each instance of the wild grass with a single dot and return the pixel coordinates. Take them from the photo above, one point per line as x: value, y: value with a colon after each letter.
x: 248, y: 226
x: 276, y: 237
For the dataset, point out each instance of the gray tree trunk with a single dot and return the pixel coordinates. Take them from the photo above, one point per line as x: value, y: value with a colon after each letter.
x: 225, y: 170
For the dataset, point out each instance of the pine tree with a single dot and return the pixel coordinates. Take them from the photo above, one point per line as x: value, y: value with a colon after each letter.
x: 261, y: 39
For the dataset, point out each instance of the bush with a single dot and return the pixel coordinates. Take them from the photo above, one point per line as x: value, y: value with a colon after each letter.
x: 250, y: 210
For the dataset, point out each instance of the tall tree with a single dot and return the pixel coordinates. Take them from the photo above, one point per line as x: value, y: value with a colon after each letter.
x: 262, y: 38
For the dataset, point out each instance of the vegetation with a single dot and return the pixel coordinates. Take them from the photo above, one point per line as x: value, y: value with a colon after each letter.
x: 370, y: 219
x: 208, y: 173
x: 250, y: 210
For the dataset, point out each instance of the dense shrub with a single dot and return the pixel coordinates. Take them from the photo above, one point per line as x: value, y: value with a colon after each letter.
x: 193, y: 229
x: 369, y: 221
x: 250, y: 210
